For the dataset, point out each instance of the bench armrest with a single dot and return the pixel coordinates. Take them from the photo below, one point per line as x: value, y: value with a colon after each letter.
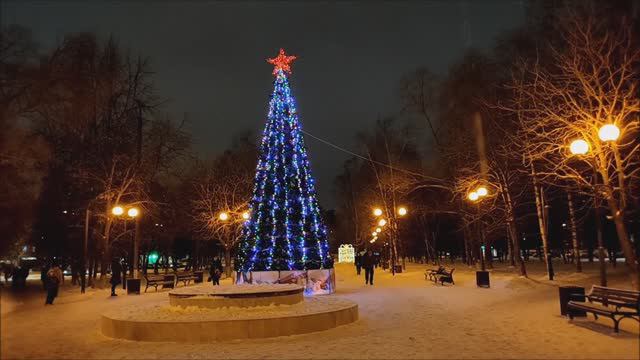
x: 577, y: 297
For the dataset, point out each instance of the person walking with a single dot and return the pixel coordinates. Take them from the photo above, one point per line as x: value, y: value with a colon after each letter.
x: 43, y: 275
x: 116, y: 275
x: 53, y: 281
x: 215, y: 272
x: 368, y: 263
x: 358, y: 261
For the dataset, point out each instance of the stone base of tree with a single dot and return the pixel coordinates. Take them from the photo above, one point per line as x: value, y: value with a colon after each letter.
x: 315, y: 282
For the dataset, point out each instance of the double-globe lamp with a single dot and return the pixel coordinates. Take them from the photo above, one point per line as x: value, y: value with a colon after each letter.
x: 608, y: 132
x: 480, y: 192
x: 131, y: 212
x: 224, y: 216
x: 402, y: 211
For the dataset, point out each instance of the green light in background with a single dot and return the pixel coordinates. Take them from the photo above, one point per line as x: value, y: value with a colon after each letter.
x: 153, y: 257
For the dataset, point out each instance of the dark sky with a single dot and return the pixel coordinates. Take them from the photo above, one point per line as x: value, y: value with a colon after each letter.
x: 209, y: 57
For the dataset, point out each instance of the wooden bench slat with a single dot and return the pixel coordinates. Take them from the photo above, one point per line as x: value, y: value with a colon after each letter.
x: 602, y: 309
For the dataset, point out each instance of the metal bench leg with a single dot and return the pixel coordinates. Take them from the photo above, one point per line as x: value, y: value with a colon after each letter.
x: 616, y: 323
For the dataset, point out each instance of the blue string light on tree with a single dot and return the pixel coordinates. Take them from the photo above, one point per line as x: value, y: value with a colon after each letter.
x: 285, y: 230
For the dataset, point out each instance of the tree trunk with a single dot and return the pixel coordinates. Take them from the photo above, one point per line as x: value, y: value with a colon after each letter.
x: 145, y: 263
x: 195, y: 256
x: 623, y: 238
x: 91, y: 261
x: 513, y: 228
x: 512, y: 258
x: 227, y: 261
x: 574, y: 233
x: 465, y: 239
x: 541, y: 223
x: 105, y: 242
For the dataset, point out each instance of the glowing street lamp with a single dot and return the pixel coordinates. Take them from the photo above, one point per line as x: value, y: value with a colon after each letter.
x: 374, y: 234
x: 223, y: 216
x: 579, y: 147
x: 382, y: 222
x: 378, y: 230
x: 377, y: 211
x: 609, y: 132
x: 482, y: 191
x: 473, y: 196
x: 402, y: 211
x: 133, y: 212
x: 245, y: 215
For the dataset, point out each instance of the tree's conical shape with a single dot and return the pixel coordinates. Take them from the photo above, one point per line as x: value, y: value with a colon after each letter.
x: 285, y: 230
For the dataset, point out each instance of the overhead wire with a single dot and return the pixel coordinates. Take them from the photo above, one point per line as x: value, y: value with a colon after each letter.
x: 340, y: 148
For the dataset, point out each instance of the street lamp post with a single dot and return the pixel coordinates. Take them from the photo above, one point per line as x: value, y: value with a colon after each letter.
x: 132, y: 213
x: 400, y: 211
x: 475, y: 196
x: 230, y: 218
x: 607, y: 133
x: 85, y: 250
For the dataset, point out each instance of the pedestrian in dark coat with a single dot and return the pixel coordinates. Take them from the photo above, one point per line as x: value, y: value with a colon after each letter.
x: 215, y: 272
x: 43, y: 275
x: 54, y: 279
x: 368, y: 263
x: 116, y: 275
x: 358, y: 261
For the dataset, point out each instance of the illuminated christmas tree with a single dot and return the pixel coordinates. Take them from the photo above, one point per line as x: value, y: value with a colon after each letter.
x: 285, y: 230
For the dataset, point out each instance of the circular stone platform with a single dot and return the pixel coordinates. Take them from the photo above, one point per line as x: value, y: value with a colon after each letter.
x: 209, y: 296
x: 161, y: 322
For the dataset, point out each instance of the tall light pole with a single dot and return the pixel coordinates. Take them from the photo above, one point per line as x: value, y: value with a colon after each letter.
x: 392, y: 223
x: 475, y: 197
x: 133, y: 214
x: 580, y: 147
x: 85, y: 250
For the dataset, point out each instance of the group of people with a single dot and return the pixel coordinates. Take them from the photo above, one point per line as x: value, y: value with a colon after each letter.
x: 52, y: 277
x: 368, y: 261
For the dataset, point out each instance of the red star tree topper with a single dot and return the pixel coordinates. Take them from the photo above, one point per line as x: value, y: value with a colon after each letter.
x: 281, y: 62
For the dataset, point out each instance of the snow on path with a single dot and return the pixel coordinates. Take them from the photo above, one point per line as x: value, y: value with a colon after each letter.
x: 405, y: 317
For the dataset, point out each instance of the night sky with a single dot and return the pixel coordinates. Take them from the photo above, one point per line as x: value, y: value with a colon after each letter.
x: 209, y: 57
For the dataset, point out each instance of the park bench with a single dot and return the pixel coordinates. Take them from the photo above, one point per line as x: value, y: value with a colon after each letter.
x: 440, y: 275
x: 430, y: 274
x: 167, y: 281
x: 185, y: 277
x: 445, y: 276
x: 617, y: 304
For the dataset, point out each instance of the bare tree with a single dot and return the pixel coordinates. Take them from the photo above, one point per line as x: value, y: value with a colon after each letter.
x: 592, y: 82
x: 221, y: 204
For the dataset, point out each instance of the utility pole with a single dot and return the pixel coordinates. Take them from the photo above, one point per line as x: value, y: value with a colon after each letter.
x: 136, y: 247
x: 85, y: 251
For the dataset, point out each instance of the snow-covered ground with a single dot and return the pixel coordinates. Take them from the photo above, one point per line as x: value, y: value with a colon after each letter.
x: 402, y: 317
